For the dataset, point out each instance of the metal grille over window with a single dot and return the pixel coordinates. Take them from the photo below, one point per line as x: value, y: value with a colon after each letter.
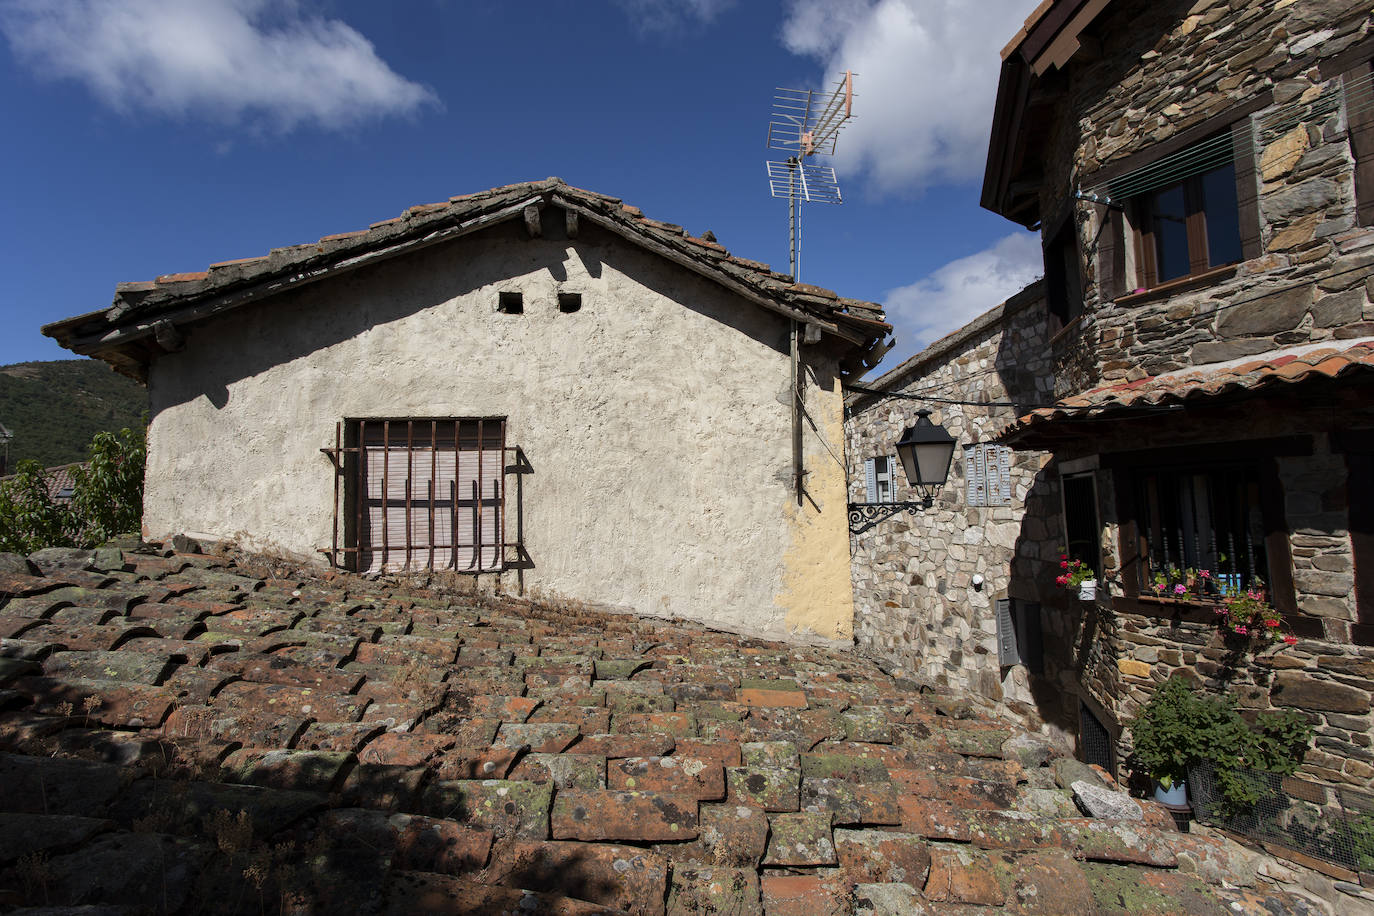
x: 987, y: 469
x: 1294, y: 814
x: 421, y: 494
x: 1094, y: 740
x: 1201, y: 521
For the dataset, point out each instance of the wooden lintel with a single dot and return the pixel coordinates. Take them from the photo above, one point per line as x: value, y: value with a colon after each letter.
x: 570, y: 220
x: 167, y: 336
x: 532, y: 221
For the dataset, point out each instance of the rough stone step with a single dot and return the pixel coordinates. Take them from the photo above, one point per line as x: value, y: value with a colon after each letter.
x: 25, y: 834
x: 423, y: 892
x: 505, y: 807
x: 608, y: 815
x: 622, y: 877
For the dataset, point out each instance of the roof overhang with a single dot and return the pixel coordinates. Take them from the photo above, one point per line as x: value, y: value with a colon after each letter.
x: 1218, y: 385
x: 146, y: 319
x: 1052, y: 35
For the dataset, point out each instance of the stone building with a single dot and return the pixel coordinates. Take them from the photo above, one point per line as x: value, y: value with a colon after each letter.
x: 929, y: 584
x: 535, y: 384
x: 1200, y: 172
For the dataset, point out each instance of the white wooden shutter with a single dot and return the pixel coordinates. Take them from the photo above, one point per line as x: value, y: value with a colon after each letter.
x: 870, y: 481
x: 1003, y: 474
x: 975, y: 476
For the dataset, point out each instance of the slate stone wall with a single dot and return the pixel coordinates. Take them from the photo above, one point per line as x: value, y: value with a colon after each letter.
x: 1164, y: 68
x: 914, y: 596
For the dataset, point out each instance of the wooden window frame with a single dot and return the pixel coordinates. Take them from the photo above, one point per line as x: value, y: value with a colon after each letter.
x: 1109, y: 265
x: 1126, y: 468
x: 1195, y: 226
x: 1358, y: 447
x: 1063, y: 281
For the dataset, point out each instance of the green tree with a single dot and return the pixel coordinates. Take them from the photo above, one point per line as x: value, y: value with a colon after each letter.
x: 29, y: 518
x: 107, y: 499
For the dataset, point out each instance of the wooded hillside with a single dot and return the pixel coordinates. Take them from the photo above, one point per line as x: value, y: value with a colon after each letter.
x: 54, y: 408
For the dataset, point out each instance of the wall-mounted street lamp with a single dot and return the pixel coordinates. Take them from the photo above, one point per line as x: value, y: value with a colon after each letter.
x: 926, y: 450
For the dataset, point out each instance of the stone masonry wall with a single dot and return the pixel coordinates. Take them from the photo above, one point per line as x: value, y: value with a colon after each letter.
x: 914, y: 597
x: 1119, y: 651
x: 1164, y: 67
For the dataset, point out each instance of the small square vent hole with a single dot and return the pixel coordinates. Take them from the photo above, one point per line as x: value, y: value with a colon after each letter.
x: 569, y: 302
x: 510, y: 303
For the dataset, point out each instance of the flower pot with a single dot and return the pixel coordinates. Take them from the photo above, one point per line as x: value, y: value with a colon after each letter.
x: 1176, y: 794
x: 1087, y: 590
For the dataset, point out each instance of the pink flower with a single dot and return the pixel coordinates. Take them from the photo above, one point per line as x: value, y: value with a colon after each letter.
x: 1204, y: 574
x: 1241, y: 630
x: 1271, y: 622
x: 1063, y: 564
x: 1220, y: 611
x: 1291, y: 640
x: 1180, y: 589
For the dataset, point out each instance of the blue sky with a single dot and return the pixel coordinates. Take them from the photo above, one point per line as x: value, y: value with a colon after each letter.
x: 146, y: 137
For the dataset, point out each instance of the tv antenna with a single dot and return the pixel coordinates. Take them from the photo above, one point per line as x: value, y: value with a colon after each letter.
x: 806, y: 122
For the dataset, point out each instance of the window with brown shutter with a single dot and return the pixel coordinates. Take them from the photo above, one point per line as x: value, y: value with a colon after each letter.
x: 1181, y: 209
x: 421, y: 494
x: 1190, y: 225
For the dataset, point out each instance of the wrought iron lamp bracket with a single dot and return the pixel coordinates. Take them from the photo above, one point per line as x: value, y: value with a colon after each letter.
x: 863, y: 516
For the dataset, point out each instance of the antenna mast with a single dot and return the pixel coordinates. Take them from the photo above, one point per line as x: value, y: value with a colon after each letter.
x: 805, y: 123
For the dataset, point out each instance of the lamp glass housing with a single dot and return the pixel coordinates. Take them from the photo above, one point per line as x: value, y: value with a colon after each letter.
x: 926, y: 451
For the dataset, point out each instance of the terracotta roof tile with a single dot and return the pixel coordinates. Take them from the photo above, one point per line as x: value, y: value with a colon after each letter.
x: 231, y: 263
x: 464, y: 781
x: 1285, y: 367
x: 189, y: 277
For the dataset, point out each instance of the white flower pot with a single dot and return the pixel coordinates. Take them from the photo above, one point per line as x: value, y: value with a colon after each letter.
x: 1087, y: 590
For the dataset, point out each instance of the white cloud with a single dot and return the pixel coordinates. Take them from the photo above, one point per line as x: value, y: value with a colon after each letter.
x: 960, y: 291
x: 224, y: 60
x: 672, y: 15
x: 926, y: 81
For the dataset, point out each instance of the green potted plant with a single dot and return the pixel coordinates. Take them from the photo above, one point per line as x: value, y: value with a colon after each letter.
x: 1181, y: 727
x: 1171, y: 733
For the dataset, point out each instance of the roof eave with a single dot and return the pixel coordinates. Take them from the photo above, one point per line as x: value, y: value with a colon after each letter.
x: 126, y: 335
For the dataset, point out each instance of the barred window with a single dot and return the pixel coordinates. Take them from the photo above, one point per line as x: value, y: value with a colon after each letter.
x: 1202, y: 519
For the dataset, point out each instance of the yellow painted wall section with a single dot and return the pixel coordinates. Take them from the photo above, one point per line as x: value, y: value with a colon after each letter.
x: 817, y: 596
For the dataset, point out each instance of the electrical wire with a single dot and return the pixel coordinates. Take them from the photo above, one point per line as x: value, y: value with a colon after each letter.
x: 1217, y: 151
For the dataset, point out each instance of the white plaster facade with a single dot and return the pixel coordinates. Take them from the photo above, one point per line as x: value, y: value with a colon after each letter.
x: 656, y: 420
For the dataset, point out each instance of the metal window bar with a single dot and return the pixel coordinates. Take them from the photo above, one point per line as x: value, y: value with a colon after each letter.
x: 472, y: 535
x: 1191, y: 519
